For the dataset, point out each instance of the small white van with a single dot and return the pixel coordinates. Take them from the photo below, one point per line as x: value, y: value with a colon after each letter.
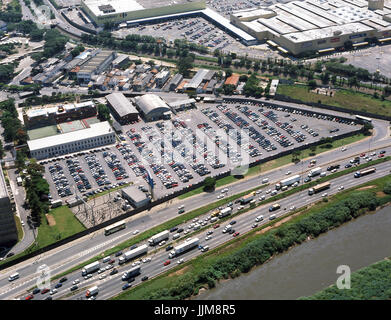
x: 259, y: 218
x: 266, y: 180
x: 13, y: 276
x: 106, y: 259
x: 272, y: 217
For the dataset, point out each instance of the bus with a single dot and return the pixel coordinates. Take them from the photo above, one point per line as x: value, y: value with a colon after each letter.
x: 115, y: 227
x: 363, y: 119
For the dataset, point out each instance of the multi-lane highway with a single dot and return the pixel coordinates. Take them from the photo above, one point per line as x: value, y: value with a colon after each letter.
x: 71, y: 254
x: 112, y: 284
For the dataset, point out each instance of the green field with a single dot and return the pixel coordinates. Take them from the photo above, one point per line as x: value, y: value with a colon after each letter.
x: 354, y: 101
x: 202, y: 271
x: 65, y: 225
x: 370, y: 283
x: 279, y: 162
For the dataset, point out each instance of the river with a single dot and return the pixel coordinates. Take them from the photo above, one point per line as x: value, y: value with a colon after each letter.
x: 312, y: 266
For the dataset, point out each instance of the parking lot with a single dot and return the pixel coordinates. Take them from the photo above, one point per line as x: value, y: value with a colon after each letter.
x: 196, y: 30
x: 179, y: 152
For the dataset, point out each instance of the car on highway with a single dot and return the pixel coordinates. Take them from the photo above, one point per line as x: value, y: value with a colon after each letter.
x: 170, y: 247
x: 109, y: 266
x: 236, y: 234
x: 36, y: 291
x: 45, y: 290
x: 208, y: 238
x: 75, y: 287
x: 126, y: 286
x: 101, y: 270
x: 341, y: 188
x: 254, y: 225
x: 205, y: 248
x: 166, y: 263
x: 144, y: 278
x: 58, y: 285
x: 48, y: 298
x: 53, y: 291
x: 324, y: 195
x: 216, y: 226
x: 88, y: 276
x: 102, y: 276
x: 29, y: 297
x: 348, y: 165
x: 231, y: 231
x: 76, y: 281
x: 382, y: 152
x: 288, y: 173
x: 362, y: 155
x: 180, y: 230
x: 161, y: 243
x: 292, y: 208
x: 232, y: 222
x: 118, y: 253
x: 63, y: 279
x: 380, y: 156
x: 131, y: 280
x: 174, y: 229
x: 209, y: 232
x: 135, y: 232
x: 113, y: 272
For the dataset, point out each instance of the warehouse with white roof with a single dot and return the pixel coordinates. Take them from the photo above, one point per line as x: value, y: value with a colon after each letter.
x: 152, y: 107
x: 318, y: 26
x: 98, y: 134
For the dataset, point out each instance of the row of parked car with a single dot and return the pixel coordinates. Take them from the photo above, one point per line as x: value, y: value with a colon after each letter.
x: 61, y: 183
x: 97, y: 170
x: 78, y: 174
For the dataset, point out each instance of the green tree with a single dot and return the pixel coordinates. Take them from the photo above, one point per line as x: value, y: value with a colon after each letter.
x: 103, y: 112
x: 209, y: 183
x: 311, y: 84
x: 184, y: 65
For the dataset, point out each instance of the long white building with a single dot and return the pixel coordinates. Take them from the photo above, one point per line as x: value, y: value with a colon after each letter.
x: 98, y: 134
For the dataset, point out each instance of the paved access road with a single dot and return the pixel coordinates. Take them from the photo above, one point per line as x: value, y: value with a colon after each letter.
x: 71, y: 254
x: 111, y: 285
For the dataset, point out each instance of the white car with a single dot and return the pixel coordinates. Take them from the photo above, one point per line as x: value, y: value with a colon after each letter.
x: 324, y: 195
x: 22, y: 223
x: 292, y: 208
x: 180, y: 261
x: 195, y: 219
x: 343, y: 149
x: 76, y: 281
x: 101, y: 277
x: 109, y: 266
x: 261, y: 198
x: 53, y: 291
x: 101, y: 270
x: 373, y: 154
x: 268, y: 191
x: 240, y: 207
x: 148, y: 259
x: 136, y: 231
x: 341, y: 188
x: 208, y: 238
x: 161, y: 243
x: 258, y: 191
x: 288, y: 173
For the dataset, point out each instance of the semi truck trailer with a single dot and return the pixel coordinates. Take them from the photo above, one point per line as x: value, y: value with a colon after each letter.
x: 362, y: 173
x: 318, y: 188
x: 128, y: 255
x: 90, y: 268
x: 92, y: 291
x: 135, y: 271
x: 288, y: 182
x: 159, y: 237
x: 314, y: 172
x: 225, y: 212
x: 185, y: 246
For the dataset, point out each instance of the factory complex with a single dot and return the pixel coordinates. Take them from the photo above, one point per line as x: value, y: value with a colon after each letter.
x: 319, y: 26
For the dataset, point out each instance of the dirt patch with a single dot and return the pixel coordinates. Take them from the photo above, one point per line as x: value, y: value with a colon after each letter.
x: 366, y: 188
x: 179, y: 272
x: 278, y: 223
x: 50, y: 219
x: 380, y: 194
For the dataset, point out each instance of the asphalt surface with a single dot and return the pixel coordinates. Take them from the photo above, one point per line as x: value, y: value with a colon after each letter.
x: 111, y: 285
x: 64, y: 258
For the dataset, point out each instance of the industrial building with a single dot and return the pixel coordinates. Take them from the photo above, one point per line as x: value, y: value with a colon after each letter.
x: 135, y: 196
x: 96, y: 135
x: 124, y: 111
x: 198, y: 81
x: 152, y: 107
x: 117, y: 11
x: 8, y: 231
x: 96, y: 65
x: 317, y: 26
x: 39, y: 117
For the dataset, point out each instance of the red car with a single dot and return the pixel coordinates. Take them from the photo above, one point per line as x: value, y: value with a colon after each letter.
x: 44, y: 291
x: 29, y: 297
x: 362, y: 155
x: 236, y: 234
x: 216, y: 226
x: 167, y: 263
x: 381, y: 155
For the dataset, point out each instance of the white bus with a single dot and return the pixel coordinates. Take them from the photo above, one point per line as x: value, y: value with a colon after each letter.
x: 364, y: 119
x: 115, y: 227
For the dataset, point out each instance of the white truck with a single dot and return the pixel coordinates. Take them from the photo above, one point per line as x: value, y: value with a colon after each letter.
x: 225, y: 212
x: 133, y: 253
x: 56, y: 203
x: 164, y: 235
x: 90, y: 268
x: 314, y: 172
x: 135, y: 271
x: 185, y: 246
x: 288, y: 181
x: 92, y: 291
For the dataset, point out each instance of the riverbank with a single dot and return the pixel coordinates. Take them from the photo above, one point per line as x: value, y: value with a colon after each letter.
x: 257, y: 247
x: 370, y: 283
